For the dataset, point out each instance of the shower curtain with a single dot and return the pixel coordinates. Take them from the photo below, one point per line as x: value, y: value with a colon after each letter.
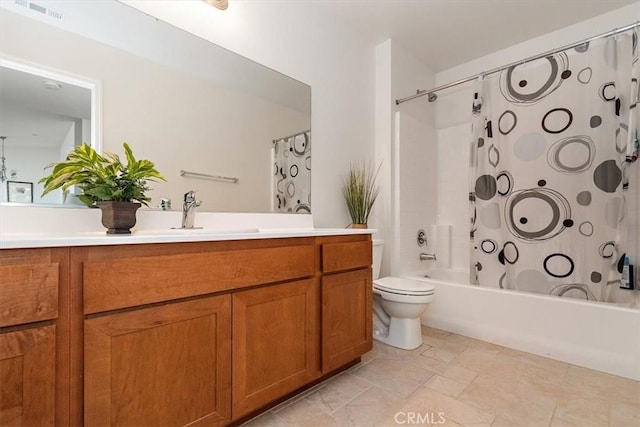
x: 552, y: 142
x: 291, y: 187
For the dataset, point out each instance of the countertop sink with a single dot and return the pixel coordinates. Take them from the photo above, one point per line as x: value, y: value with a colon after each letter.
x: 206, y: 230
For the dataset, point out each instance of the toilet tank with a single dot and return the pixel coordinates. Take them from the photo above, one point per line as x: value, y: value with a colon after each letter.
x: 377, y: 257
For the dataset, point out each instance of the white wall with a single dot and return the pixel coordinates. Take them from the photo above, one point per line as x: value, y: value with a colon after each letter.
x: 453, y: 120
x: 303, y: 42
x: 384, y: 211
x: 406, y: 148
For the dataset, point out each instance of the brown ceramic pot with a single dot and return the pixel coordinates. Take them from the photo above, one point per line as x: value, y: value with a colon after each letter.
x: 118, y: 217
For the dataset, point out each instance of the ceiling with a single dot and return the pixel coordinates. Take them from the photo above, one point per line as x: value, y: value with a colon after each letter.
x: 446, y: 33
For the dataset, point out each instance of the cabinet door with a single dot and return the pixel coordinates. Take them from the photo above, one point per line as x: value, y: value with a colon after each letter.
x: 346, y: 317
x: 275, y: 343
x: 28, y: 377
x: 165, y: 365
x: 34, y: 337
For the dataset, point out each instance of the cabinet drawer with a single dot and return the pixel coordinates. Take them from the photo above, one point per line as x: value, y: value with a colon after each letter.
x: 346, y: 256
x: 28, y: 293
x: 120, y: 283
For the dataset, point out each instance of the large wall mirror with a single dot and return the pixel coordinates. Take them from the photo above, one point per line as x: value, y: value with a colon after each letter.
x: 200, y: 112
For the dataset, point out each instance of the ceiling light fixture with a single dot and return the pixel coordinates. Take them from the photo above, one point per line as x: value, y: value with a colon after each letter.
x: 220, y: 4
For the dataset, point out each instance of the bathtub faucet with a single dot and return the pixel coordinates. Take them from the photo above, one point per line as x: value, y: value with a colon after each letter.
x: 427, y: 257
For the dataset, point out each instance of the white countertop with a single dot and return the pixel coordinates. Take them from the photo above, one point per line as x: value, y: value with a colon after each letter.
x: 38, y: 227
x: 41, y: 240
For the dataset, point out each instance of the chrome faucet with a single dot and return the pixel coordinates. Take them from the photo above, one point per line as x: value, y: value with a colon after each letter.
x: 427, y: 257
x: 189, y: 209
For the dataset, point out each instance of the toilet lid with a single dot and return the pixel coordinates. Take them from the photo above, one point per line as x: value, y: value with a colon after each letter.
x: 403, y: 286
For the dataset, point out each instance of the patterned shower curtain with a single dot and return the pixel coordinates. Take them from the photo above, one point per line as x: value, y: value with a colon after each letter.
x: 552, y: 141
x: 292, y: 174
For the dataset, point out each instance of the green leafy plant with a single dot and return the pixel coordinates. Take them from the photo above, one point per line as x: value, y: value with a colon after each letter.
x: 102, y: 178
x: 360, y: 191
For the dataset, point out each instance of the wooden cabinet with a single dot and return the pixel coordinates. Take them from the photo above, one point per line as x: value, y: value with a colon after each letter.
x: 346, y: 302
x: 276, y: 340
x: 157, y: 329
x: 200, y: 333
x: 34, y: 337
x: 165, y: 365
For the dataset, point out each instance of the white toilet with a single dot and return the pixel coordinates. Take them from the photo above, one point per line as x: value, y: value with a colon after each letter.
x: 398, y: 304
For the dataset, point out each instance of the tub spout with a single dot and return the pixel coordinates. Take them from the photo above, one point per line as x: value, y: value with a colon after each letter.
x: 427, y: 257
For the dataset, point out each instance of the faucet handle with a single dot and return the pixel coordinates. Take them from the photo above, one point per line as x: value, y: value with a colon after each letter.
x: 165, y: 204
x: 190, y: 196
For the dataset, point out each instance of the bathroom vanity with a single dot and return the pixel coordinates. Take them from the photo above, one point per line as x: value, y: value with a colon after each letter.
x: 206, y: 332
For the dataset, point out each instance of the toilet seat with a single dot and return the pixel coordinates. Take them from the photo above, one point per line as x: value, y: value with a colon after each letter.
x: 403, y: 286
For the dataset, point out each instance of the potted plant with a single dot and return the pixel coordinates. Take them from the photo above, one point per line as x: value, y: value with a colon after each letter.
x: 360, y: 192
x: 104, y: 181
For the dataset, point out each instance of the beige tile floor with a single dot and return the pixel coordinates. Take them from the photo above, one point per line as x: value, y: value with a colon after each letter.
x: 453, y: 380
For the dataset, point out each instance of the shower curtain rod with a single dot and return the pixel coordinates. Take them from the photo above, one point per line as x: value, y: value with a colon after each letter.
x: 421, y: 93
x: 291, y: 136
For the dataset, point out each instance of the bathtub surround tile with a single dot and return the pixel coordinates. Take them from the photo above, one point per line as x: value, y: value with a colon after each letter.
x: 483, y: 385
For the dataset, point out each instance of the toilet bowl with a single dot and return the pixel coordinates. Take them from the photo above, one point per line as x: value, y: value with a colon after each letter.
x: 397, y: 306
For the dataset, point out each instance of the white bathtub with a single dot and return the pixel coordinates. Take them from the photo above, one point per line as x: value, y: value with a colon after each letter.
x: 599, y: 336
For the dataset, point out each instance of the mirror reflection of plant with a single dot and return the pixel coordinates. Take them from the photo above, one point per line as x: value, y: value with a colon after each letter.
x: 102, y: 178
x: 360, y: 191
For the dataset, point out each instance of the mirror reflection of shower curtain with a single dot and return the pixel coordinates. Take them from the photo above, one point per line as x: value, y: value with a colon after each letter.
x: 549, y: 152
x: 291, y: 187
